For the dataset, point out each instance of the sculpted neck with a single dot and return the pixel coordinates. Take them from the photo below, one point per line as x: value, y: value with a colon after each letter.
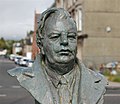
x: 60, y: 69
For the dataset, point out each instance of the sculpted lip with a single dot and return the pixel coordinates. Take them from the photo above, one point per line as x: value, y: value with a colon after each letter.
x: 64, y: 52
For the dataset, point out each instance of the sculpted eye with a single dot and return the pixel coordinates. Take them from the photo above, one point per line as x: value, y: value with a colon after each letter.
x: 71, y: 36
x: 54, y: 36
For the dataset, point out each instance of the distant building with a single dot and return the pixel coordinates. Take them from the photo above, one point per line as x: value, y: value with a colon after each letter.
x: 35, y: 49
x: 27, y: 45
x: 17, y: 48
x: 100, y: 19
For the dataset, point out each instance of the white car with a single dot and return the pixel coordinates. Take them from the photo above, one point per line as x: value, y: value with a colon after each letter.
x: 23, y: 61
x: 11, y: 57
x: 29, y: 63
x: 17, y: 59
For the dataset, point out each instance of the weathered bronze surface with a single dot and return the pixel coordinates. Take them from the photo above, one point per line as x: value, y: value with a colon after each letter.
x: 57, y: 76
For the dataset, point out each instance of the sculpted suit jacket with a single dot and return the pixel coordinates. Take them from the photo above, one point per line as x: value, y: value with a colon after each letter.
x: 90, y: 90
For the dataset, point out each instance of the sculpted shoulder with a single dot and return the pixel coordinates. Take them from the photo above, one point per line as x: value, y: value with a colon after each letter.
x: 99, y: 79
x: 22, y: 73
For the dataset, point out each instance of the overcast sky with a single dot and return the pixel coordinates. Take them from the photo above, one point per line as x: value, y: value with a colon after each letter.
x: 17, y: 16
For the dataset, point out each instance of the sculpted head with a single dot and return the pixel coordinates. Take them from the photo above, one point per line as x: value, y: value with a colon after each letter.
x: 57, y: 37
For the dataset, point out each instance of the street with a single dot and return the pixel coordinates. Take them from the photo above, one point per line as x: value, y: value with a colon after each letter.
x: 112, y: 97
x: 12, y: 93
x: 10, y: 90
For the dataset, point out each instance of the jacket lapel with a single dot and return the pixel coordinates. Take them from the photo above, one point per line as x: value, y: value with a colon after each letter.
x: 91, y: 86
x: 38, y: 85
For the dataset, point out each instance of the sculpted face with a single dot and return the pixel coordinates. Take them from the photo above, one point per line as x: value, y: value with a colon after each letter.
x: 60, y: 40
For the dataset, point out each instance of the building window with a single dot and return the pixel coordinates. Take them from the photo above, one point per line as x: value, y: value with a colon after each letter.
x: 73, y: 13
x: 74, y: 1
x: 58, y: 1
x: 62, y: 4
x: 79, y: 19
x: 70, y: 3
x: 65, y: 4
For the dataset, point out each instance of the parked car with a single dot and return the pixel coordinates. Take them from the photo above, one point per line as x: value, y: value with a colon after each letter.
x: 111, y: 65
x: 23, y: 61
x: 17, y: 59
x: 29, y: 63
x: 11, y: 57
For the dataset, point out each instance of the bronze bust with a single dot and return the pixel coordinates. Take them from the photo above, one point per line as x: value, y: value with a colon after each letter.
x: 57, y: 76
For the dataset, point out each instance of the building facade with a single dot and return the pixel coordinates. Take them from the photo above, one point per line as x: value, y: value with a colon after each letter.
x: 100, y: 20
x: 102, y: 24
x: 16, y: 48
x: 35, y: 49
x: 27, y: 45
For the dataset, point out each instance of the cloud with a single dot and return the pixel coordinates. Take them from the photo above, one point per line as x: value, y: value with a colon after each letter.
x: 17, y: 16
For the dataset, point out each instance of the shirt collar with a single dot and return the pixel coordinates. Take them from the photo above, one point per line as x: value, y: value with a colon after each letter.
x: 61, y: 79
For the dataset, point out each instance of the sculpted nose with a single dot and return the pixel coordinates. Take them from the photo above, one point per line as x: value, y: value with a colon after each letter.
x: 64, y: 39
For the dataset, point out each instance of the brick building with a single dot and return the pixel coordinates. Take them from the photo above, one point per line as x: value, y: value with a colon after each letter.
x: 35, y: 49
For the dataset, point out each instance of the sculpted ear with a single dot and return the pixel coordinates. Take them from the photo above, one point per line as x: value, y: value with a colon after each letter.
x: 39, y: 41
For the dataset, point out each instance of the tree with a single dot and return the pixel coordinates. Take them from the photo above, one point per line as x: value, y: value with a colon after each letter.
x: 3, y: 44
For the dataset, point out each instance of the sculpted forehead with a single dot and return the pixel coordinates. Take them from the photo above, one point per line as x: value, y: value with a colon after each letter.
x: 60, y: 24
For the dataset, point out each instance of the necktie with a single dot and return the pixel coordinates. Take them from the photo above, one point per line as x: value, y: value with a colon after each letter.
x: 64, y: 92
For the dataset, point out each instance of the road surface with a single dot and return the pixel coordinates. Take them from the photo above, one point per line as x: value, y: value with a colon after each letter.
x: 10, y: 90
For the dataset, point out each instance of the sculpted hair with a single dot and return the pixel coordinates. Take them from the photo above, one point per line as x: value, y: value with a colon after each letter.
x: 60, y: 13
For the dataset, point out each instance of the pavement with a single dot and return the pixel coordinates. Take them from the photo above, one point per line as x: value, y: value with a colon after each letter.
x: 113, y: 85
